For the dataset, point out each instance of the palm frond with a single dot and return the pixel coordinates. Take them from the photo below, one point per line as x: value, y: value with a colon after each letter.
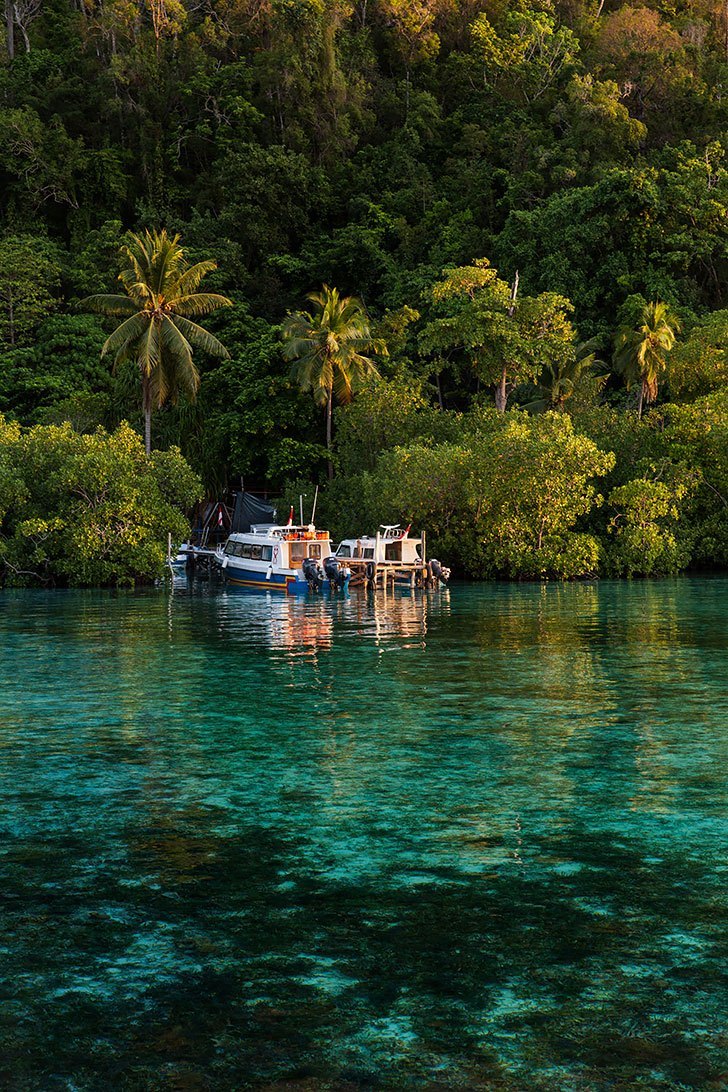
x: 148, y: 353
x: 160, y: 298
x: 191, y: 278
x: 177, y: 370
x: 105, y: 304
x: 198, y: 303
x: 127, y: 333
x: 200, y: 338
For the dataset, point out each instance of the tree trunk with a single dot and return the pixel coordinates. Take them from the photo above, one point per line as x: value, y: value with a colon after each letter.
x: 24, y: 32
x: 501, y: 391
x: 147, y: 406
x: 329, y: 406
x: 10, y: 37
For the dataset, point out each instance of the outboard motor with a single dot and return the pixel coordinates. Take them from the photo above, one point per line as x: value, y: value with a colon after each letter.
x: 338, y: 577
x: 331, y: 568
x: 439, y: 572
x: 313, y: 573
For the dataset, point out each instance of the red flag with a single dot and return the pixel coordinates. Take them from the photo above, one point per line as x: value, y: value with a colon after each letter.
x: 219, y: 515
x: 290, y: 518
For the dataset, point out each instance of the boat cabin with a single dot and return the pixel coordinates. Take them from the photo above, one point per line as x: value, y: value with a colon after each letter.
x: 391, y: 545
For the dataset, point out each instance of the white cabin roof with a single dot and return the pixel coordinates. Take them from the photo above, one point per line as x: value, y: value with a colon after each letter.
x: 292, y: 532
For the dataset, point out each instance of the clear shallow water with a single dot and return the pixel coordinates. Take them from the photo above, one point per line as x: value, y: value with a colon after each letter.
x: 469, y: 840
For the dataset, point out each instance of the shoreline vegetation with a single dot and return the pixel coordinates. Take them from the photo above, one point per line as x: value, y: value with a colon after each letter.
x: 465, y: 267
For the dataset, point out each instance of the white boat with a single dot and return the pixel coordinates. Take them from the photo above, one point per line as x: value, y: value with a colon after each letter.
x: 178, y: 561
x: 391, y: 548
x: 391, y: 545
x: 269, y: 557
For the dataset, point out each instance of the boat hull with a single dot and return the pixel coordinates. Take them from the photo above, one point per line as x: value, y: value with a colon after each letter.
x: 284, y: 583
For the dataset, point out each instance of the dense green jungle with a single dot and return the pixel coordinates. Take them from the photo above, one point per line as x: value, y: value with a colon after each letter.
x: 526, y: 202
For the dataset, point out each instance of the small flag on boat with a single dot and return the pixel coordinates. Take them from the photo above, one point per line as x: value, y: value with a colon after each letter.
x: 290, y: 518
x: 219, y: 515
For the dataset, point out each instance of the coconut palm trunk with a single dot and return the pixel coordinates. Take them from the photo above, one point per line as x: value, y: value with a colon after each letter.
x: 147, y: 409
x: 329, y: 438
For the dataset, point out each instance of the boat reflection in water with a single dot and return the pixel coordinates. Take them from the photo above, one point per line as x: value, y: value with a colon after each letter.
x: 302, y: 627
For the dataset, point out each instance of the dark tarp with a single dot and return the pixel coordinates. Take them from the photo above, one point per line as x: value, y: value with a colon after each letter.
x: 250, y: 510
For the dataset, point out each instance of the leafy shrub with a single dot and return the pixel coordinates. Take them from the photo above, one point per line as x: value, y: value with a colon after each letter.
x: 88, y: 509
x: 643, y: 527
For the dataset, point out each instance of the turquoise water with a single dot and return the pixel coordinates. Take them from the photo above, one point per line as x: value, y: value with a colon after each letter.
x: 472, y: 839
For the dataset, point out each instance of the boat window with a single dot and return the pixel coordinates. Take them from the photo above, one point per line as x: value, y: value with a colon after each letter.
x: 245, y: 552
x: 343, y: 551
x: 230, y: 548
x: 393, y: 551
x: 300, y: 550
x: 267, y: 553
x: 256, y: 552
x: 369, y: 552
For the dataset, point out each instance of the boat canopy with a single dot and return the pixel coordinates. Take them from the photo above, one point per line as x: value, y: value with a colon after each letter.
x: 250, y: 510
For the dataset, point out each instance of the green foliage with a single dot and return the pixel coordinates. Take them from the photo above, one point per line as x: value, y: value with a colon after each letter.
x: 646, y: 512
x: 374, y: 146
x: 384, y: 416
x: 30, y: 275
x: 63, y: 363
x: 327, y: 346
x: 696, y: 435
x: 578, y: 373
x: 506, y: 337
x: 43, y: 160
x: 535, y: 485
x: 697, y: 365
x: 505, y: 501
x: 526, y: 52
x: 88, y: 510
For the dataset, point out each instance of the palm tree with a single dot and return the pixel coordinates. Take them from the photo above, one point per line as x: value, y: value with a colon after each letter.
x: 327, y: 345
x: 641, y: 351
x: 157, y: 331
x: 559, y: 381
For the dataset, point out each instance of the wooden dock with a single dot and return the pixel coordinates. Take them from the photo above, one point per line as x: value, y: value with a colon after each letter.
x: 385, y: 575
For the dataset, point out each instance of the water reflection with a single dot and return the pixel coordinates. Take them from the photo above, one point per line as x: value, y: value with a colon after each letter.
x: 301, y: 625
x: 471, y: 839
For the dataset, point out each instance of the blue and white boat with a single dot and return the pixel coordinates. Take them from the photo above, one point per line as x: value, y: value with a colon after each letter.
x: 272, y: 558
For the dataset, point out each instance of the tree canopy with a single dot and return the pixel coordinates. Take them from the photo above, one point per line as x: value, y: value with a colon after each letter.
x: 497, y: 185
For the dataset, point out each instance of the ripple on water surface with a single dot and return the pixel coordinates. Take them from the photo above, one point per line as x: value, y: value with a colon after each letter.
x: 473, y: 839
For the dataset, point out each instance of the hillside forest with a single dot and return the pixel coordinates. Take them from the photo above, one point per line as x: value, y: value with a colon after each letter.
x: 527, y: 203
